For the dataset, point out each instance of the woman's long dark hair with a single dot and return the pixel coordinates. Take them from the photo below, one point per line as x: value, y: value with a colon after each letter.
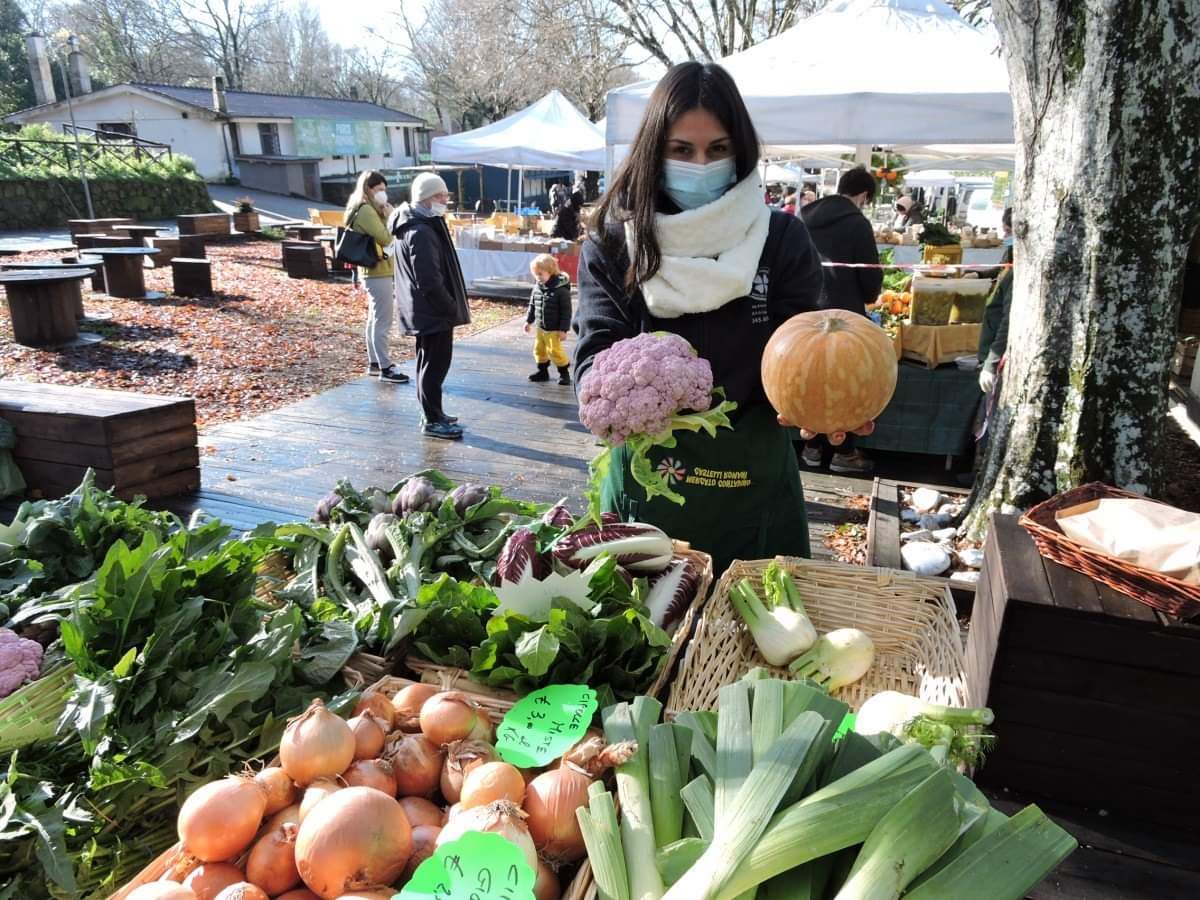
x: 635, y: 191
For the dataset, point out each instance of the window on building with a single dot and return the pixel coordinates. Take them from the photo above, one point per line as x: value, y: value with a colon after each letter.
x: 235, y: 139
x: 423, y: 141
x: 407, y: 141
x: 268, y: 137
x: 115, y: 130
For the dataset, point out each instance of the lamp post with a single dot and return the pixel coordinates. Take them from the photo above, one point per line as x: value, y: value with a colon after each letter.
x: 72, y: 42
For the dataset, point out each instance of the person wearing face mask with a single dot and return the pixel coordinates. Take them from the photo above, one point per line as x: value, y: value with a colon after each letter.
x: 683, y: 243
x: 366, y: 211
x: 431, y: 296
x: 842, y: 233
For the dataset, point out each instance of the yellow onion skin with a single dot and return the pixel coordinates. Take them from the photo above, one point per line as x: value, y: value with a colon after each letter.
x: 370, y: 734
x: 281, y: 791
x: 423, y: 812
x: 209, y: 879
x: 450, y: 716
x: 243, y: 891
x: 358, y: 838
x: 298, y: 894
x: 416, y: 763
x: 272, y: 861
x: 461, y: 757
x: 376, y: 773
x: 490, y: 782
x: 285, y: 815
x: 161, y: 890
x: 550, y: 803
x: 407, y: 705
x: 219, y: 820
x: 547, y: 886
x: 316, y: 744
x: 424, y: 839
x: 316, y: 792
x: 380, y: 706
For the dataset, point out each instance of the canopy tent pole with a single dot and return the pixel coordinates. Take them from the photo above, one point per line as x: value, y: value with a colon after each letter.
x: 520, y: 186
x: 507, y: 188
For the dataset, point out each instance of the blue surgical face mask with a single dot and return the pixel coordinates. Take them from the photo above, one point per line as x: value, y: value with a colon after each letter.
x: 692, y: 185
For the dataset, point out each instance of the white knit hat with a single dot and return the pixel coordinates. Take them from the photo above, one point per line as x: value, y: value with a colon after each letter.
x: 427, y: 185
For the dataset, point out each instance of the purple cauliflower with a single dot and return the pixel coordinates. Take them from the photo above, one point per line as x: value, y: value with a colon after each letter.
x: 638, y: 385
x: 638, y: 392
x: 20, y: 661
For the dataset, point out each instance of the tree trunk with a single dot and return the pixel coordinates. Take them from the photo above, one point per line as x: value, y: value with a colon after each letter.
x: 1106, y: 100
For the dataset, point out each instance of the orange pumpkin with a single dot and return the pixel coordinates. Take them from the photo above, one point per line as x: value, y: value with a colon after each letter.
x: 829, y: 371
x: 897, y: 307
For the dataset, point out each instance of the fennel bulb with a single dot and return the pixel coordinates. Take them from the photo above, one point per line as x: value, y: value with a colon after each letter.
x: 837, y: 659
x: 780, y: 627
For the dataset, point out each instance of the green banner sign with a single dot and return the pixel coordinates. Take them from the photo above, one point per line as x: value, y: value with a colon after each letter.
x: 337, y: 137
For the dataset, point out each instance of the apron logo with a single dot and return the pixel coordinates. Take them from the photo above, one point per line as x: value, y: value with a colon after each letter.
x: 672, y: 470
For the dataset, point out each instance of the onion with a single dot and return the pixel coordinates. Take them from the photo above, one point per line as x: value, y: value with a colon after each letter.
x: 314, y: 794
x: 449, y: 716
x: 315, y: 744
x: 285, y: 815
x: 489, y: 782
x: 298, y: 894
x: 421, y: 812
x: 424, y: 838
x: 407, y: 705
x: 368, y: 895
x: 358, y: 838
x: 369, y: 735
x: 378, y: 704
x: 550, y: 803
x: 484, y: 730
x: 416, y: 763
x: 272, y: 861
x: 546, y: 887
x: 209, y: 879
x: 461, y: 756
x: 281, y: 792
x: 161, y: 890
x: 502, y: 818
x: 372, y: 773
x: 219, y: 820
x: 243, y: 890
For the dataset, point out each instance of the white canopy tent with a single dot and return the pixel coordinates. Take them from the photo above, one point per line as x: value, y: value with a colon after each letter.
x: 861, y: 72
x: 550, y: 134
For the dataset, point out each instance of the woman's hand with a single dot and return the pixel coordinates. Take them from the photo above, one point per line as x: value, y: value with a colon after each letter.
x: 835, y: 438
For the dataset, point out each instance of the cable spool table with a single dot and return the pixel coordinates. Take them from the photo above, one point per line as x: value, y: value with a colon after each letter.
x: 42, y: 304
x: 90, y: 263
x: 138, y: 232
x: 123, y: 275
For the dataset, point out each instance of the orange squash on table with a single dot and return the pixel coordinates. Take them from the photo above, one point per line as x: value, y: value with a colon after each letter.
x: 829, y: 371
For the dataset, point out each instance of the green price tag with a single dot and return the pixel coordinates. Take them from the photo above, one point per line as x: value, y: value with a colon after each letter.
x: 846, y: 727
x: 478, y: 866
x: 545, y: 724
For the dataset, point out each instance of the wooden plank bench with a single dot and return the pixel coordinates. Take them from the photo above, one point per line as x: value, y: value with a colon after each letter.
x: 137, y: 443
x: 204, y: 223
x: 1094, y: 693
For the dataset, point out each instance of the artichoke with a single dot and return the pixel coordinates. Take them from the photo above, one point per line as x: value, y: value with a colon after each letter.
x: 376, y: 536
x: 467, y: 495
x: 325, y: 507
x: 418, y: 494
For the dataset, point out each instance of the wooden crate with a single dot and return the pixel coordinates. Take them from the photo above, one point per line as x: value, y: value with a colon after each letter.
x: 883, y: 538
x: 304, y: 259
x: 1094, y: 693
x: 204, y: 223
x: 136, y: 443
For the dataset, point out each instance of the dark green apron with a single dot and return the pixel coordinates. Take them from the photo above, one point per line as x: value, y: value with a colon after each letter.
x: 742, y: 488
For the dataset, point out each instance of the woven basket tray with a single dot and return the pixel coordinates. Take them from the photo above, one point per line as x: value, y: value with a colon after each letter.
x: 911, y: 620
x: 448, y: 677
x: 576, y: 889
x: 1158, y: 591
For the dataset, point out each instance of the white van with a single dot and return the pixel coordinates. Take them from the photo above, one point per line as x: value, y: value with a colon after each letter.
x: 981, y: 212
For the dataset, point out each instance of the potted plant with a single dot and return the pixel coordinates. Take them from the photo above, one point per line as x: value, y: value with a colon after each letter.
x: 245, y: 219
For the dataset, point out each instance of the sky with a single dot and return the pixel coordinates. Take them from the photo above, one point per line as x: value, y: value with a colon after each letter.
x: 346, y: 21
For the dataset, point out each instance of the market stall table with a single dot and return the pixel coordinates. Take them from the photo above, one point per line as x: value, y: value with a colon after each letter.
x: 931, y: 412
x: 42, y: 304
x: 123, y: 275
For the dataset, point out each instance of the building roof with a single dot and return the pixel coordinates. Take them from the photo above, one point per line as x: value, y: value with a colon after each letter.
x: 250, y: 104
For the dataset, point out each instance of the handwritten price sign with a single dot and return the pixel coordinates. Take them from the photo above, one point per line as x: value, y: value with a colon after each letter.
x: 545, y: 724
x: 478, y: 866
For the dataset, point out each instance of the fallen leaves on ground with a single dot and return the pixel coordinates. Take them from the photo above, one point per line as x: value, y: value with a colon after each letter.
x: 848, y: 543
x: 262, y: 341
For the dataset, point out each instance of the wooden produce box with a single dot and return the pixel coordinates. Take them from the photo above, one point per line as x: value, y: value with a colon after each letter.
x: 883, y: 538
x: 1094, y: 693
x: 204, y: 223
x: 304, y: 259
x: 137, y: 443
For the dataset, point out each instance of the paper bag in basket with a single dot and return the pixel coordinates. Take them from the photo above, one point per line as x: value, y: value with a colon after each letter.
x: 1143, y: 533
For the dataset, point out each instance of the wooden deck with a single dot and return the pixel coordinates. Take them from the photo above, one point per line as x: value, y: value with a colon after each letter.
x: 524, y: 436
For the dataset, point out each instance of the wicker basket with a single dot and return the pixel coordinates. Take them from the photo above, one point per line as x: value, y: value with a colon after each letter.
x: 1158, y: 591
x: 911, y: 620
x: 448, y: 677
x: 579, y: 888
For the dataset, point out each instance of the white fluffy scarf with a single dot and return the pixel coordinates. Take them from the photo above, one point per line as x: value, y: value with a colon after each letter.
x: 710, y: 254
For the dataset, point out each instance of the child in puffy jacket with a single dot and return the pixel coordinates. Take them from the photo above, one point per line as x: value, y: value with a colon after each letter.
x: 550, y: 318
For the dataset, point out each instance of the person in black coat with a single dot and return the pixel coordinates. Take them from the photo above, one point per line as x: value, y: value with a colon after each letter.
x: 549, y: 317
x: 566, y: 221
x: 842, y: 234
x: 431, y: 296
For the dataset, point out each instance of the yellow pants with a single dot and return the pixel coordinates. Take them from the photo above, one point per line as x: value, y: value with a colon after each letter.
x: 547, y: 347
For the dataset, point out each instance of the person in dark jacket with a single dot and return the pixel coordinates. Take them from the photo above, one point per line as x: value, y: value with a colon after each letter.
x: 842, y: 233
x: 431, y: 296
x: 566, y: 221
x: 549, y: 317
x: 993, y: 337
x: 908, y: 212
x: 684, y: 243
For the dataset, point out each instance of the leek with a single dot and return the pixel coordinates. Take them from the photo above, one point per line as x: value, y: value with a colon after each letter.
x: 626, y: 722
x: 697, y: 796
x: 602, y: 837
x: 675, y: 859
x: 666, y: 782
x: 1004, y: 864
x: 703, y: 751
x: 735, y: 752
x: 907, y: 840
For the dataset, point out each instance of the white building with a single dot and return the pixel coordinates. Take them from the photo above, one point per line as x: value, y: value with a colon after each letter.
x: 270, y: 141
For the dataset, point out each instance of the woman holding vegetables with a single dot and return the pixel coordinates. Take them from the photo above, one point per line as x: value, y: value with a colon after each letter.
x: 684, y: 243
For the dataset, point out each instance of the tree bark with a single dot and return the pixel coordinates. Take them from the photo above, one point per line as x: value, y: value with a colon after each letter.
x: 1106, y: 101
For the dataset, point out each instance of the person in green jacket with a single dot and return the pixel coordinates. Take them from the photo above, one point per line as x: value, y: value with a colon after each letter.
x: 366, y: 211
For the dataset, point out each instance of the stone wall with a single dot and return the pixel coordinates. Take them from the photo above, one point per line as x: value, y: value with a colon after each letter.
x: 44, y: 202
